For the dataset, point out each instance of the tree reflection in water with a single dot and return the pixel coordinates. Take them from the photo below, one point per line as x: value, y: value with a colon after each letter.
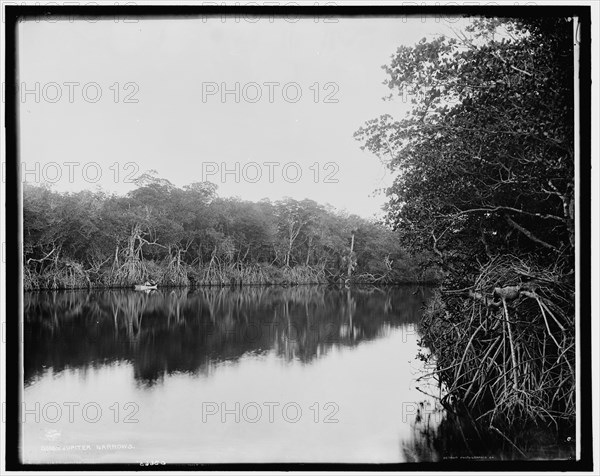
x: 182, y: 330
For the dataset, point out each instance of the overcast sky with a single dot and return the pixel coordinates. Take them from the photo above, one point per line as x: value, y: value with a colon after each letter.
x: 116, y: 99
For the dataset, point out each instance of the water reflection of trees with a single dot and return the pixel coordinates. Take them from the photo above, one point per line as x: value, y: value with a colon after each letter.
x: 188, y: 331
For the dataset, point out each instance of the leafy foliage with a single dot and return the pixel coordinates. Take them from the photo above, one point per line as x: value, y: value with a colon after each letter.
x: 484, y: 165
x: 485, y: 157
x: 190, y: 235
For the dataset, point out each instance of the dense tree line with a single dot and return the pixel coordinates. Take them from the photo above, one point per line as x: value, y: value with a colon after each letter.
x: 189, y: 235
x: 485, y: 163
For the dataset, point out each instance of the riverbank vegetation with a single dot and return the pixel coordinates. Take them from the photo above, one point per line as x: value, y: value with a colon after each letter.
x: 190, y: 236
x: 485, y: 162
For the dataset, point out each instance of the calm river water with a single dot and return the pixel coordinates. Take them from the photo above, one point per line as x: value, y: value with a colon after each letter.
x: 258, y: 374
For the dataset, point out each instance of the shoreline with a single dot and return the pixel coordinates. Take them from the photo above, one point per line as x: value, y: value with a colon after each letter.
x: 240, y: 285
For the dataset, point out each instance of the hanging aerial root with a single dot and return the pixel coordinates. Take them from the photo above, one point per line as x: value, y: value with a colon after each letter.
x: 505, y: 348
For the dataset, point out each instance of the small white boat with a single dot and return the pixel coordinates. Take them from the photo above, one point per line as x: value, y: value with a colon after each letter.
x: 146, y: 286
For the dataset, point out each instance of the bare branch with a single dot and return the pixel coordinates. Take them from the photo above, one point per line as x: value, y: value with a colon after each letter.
x: 530, y: 235
x: 511, y: 209
x: 42, y: 259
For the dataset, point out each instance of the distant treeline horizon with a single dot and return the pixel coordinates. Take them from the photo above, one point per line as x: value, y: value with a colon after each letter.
x: 191, y: 236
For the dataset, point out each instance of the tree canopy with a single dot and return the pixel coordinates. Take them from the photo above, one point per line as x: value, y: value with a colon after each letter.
x: 484, y: 159
x: 191, y: 235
